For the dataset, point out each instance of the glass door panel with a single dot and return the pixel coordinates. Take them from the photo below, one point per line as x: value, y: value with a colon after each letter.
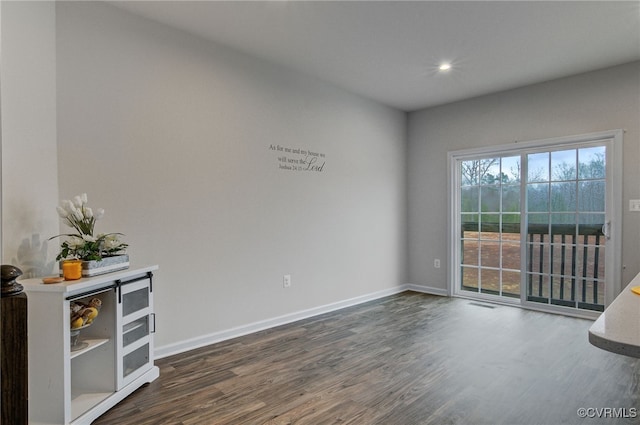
x: 490, y: 226
x: 565, y: 197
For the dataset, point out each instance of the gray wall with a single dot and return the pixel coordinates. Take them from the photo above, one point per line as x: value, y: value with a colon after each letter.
x: 172, y: 136
x: 591, y: 102
x: 29, y: 163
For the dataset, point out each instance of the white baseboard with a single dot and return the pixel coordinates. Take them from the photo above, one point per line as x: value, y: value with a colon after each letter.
x: 201, y: 341
x: 427, y: 289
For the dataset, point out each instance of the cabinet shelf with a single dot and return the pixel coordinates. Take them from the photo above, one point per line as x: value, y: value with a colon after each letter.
x: 91, y: 344
x: 83, y: 400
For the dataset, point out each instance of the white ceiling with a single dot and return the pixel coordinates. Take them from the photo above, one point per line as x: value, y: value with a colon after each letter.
x: 389, y: 51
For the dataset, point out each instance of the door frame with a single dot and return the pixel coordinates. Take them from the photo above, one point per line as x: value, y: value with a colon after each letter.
x: 614, y: 207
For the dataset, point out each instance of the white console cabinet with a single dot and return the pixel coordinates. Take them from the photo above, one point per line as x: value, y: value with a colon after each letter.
x: 114, y: 356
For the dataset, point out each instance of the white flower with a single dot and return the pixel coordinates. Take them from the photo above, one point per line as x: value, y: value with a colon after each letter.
x: 83, y: 244
x: 76, y: 242
x: 78, y: 215
x: 62, y: 212
x: 111, y: 242
x: 68, y: 205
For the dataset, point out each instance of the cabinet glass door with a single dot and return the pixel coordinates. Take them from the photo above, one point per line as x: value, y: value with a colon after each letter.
x: 136, y: 325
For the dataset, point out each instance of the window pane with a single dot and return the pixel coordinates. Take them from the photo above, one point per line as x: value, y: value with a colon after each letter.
x: 563, y: 228
x: 490, y: 171
x: 538, y: 228
x: 490, y: 281
x: 564, y: 257
x: 470, y: 252
x: 469, y: 199
x: 538, y: 197
x: 511, y: 255
x: 511, y: 284
x: 511, y: 169
x: 538, y: 285
x: 591, y: 163
x: 489, y: 225
x: 537, y: 221
x: 592, y: 293
x: 469, y: 225
x: 590, y: 225
x: 563, y: 196
x: 538, y: 167
x: 538, y: 258
x: 490, y: 254
x: 563, y: 165
x: 591, y: 195
x: 510, y: 198
x: 490, y: 199
x: 590, y: 261
x: 563, y: 290
x: 469, y: 276
x: 469, y: 173
x: 511, y: 227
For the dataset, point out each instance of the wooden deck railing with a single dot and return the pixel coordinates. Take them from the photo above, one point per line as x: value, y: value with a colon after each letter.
x: 572, y: 277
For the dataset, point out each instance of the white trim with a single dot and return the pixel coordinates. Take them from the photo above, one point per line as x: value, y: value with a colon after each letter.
x: 453, y: 223
x: 614, y: 213
x: 201, y: 341
x: 515, y: 302
x: 427, y: 290
x: 494, y: 299
x: 540, y: 143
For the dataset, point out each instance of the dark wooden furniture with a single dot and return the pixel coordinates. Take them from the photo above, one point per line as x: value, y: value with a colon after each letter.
x: 13, y: 346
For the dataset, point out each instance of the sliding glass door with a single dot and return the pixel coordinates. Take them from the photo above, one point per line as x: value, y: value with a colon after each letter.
x: 533, y: 223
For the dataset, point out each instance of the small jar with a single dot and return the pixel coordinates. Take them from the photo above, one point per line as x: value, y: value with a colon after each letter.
x: 72, y: 269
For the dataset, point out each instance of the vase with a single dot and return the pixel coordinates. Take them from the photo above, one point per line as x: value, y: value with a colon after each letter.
x: 106, y: 265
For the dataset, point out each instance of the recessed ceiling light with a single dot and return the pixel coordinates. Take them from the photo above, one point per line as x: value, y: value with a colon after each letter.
x: 444, y: 67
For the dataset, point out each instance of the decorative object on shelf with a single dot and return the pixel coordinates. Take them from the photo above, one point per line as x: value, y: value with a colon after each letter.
x: 106, y: 265
x: 71, y: 269
x: 52, y: 279
x: 76, y: 344
x: 102, y: 253
x: 82, y: 316
x: 9, y: 275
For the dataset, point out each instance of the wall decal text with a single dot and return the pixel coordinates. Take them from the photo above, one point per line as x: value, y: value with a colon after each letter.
x: 296, y: 159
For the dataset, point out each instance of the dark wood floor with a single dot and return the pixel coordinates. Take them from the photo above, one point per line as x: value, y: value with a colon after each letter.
x: 402, y: 360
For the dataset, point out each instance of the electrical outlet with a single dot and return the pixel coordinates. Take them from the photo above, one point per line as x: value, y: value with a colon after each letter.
x: 634, y: 205
x: 436, y: 263
x: 286, y: 281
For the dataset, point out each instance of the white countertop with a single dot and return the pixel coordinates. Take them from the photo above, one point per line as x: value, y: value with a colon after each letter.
x: 618, y: 327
